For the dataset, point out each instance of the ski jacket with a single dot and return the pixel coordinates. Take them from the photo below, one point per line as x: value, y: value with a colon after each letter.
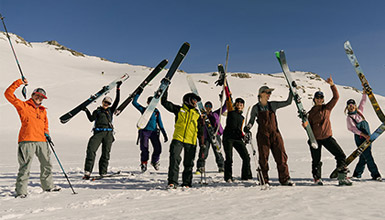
x: 272, y: 106
x: 34, y: 121
x: 234, y: 122
x: 214, y: 120
x: 353, y: 119
x: 103, y: 117
x: 155, y: 118
x: 188, y: 122
x: 319, y: 117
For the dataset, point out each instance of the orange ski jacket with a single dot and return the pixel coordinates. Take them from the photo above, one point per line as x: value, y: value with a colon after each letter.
x: 34, y: 121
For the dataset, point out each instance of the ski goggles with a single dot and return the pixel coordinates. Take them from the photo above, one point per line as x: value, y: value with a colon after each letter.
x: 208, y: 105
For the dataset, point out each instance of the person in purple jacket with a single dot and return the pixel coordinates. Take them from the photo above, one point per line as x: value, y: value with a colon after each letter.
x: 357, y: 124
x: 204, y: 151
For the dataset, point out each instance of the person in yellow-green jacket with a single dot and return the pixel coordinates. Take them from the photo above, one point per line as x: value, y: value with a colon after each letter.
x: 188, y: 128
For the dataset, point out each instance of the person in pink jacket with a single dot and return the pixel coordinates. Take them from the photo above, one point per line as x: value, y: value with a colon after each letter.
x: 357, y: 124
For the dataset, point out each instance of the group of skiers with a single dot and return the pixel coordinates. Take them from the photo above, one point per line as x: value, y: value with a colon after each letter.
x: 189, y: 132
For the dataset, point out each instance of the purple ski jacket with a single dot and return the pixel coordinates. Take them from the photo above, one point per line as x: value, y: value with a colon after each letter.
x: 214, y: 120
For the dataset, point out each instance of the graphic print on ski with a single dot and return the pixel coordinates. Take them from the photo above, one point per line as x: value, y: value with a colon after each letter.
x: 148, y: 79
x: 66, y: 117
x: 356, y: 153
x: 222, y: 81
x: 297, y: 99
x: 210, y: 129
x: 353, y: 60
x: 143, y: 120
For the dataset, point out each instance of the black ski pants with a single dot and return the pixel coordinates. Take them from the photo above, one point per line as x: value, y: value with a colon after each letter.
x: 100, y: 137
x: 240, y: 147
x: 332, y: 146
x: 176, y: 148
x: 204, y: 153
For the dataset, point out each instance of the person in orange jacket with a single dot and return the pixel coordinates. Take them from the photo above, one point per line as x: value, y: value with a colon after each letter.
x: 32, y: 138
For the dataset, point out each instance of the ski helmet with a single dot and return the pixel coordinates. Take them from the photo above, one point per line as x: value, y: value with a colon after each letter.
x: 40, y: 91
x: 208, y: 104
x: 351, y: 101
x: 188, y: 97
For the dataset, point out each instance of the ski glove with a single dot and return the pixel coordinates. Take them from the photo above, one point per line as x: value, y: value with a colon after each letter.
x: 164, y: 135
x: 47, y: 137
x: 246, y: 129
x: 118, y: 84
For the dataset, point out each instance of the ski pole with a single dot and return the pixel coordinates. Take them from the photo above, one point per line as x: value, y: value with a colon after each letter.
x: 24, y: 90
x: 50, y: 143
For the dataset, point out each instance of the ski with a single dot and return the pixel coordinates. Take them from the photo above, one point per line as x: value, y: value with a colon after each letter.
x: 209, y: 127
x: 104, y: 176
x: 249, y: 140
x: 357, y: 152
x: 222, y: 81
x: 297, y: 99
x: 106, y: 89
x: 353, y: 60
x: 143, y: 120
x: 145, y: 82
x: 221, y: 96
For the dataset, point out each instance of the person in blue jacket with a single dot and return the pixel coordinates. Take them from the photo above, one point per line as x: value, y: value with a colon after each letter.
x: 150, y: 132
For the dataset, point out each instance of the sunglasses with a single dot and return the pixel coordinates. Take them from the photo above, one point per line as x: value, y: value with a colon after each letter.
x: 107, y: 103
x: 208, y: 106
x: 269, y: 92
x: 319, y: 97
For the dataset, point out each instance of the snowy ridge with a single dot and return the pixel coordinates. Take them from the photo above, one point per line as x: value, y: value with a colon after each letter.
x: 70, y: 79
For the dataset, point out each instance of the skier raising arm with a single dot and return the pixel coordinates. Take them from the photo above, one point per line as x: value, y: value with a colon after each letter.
x: 188, y: 128
x: 269, y: 136
x: 32, y: 138
x: 150, y: 132
x: 103, y: 134
x: 319, y: 119
x: 357, y: 124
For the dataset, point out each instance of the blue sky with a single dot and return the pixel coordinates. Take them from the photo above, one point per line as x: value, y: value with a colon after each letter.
x: 144, y: 32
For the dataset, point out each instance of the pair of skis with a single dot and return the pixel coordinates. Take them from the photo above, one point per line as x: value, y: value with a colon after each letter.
x: 147, y: 114
x: 297, y: 99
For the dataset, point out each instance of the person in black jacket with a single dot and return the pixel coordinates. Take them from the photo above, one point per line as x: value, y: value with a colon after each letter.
x: 233, y: 138
x: 103, y: 134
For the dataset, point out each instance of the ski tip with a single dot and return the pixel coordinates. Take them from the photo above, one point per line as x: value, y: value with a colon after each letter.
x: 314, y: 145
x: 186, y: 44
x: 277, y: 54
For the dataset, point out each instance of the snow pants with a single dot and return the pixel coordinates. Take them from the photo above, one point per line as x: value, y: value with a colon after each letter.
x: 332, y: 146
x: 153, y: 136
x: 204, y: 153
x: 26, y: 150
x: 176, y: 148
x: 273, y: 142
x: 269, y: 138
x: 100, y: 137
x: 240, y: 147
x: 366, y: 158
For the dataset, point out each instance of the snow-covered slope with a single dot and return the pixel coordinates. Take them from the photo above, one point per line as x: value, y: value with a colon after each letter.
x: 69, y: 79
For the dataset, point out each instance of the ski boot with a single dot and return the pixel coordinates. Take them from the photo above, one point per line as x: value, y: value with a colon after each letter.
x: 143, y: 167
x: 318, y: 182
x: 343, y: 180
x: 288, y: 182
x: 156, y: 165
x: 53, y: 189
x: 87, y: 175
